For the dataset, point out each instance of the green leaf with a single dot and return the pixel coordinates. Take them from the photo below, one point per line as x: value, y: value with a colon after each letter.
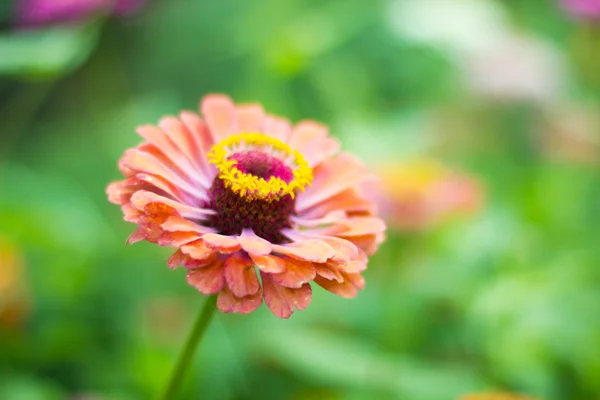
x: 47, y: 52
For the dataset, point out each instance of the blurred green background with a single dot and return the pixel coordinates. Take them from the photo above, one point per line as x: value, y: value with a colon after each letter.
x: 506, y: 297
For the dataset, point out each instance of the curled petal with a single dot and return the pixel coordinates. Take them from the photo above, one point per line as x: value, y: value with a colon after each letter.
x: 359, y: 226
x: 222, y: 243
x: 240, y: 275
x: 296, y: 273
x: 329, y: 272
x: 314, y: 250
x: 253, y: 244
x: 228, y: 302
x: 282, y: 300
x: 343, y: 289
x: 197, y: 250
x: 270, y: 264
x: 208, y: 279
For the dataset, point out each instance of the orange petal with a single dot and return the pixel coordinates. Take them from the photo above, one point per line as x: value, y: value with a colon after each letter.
x: 331, y: 177
x: 282, y: 300
x: 197, y: 250
x: 251, y: 118
x: 343, y: 289
x: 352, y: 267
x: 142, y: 197
x: 240, y: 275
x: 253, y: 244
x: 178, y: 224
x: 296, y: 273
x: 359, y: 226
x: 227, y: 302
x: 208, y: 279
x: 219, y: 113
x: 314, y: 250
x: 329, y: 272
x: 222, y: 243
x: 349, y: 200
x: 356, y: 279
x: 177, y: 239
x: 177, y: 259
x: 270, y: 264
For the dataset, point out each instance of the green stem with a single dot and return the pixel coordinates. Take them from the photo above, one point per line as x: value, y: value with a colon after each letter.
x: 187, y: 353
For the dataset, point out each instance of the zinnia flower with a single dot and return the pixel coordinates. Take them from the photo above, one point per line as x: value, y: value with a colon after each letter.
x: 256, y: 209
x: 496, y: 396
x: 582, y: 8
x: 48, y: 12
x: 13, y: 299
x: 422, y: 193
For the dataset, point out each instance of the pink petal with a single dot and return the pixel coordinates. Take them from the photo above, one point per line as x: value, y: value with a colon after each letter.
x: 253, y: 244
x: 278, y: 128
x: 270, y: 264
x: 162, y: 141
x: 281, y: 300
x: 227, y: 302
x: 345, y: 250
x: 240, y: 275
x: 183, y: 138
x: 222, y: 243
x: 357, y: 280
x: 219, y: 113
x: 199, y: 133
x: 313, y: 141
x: 251, y: 118
x: 349, y: 200
x: 296, y: 273
x: 165, y: 186
x: 314, y: 250
x: 343, y: 289
x: 177, y: 259
x: 208, y: 279
x: 142, y: 161
x: 330, y: 178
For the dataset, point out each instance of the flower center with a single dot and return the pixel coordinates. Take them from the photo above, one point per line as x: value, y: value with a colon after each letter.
x: 258, y: 177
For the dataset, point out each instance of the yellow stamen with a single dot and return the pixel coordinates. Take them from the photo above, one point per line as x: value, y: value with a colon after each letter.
x: 253, y: 187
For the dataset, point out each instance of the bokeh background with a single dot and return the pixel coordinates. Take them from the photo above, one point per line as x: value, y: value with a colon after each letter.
x: 481, y: 116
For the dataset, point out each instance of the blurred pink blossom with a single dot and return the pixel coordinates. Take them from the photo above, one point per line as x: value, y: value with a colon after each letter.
x: 582, y: 8
x: 33, y: 13
x: 422, y: 193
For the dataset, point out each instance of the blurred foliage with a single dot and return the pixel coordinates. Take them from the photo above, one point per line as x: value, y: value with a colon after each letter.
x: 506, y: 299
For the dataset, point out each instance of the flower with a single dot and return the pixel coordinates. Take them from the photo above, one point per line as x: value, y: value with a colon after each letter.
x: 34, y: 13
x: 421, y: 193
x: 14, y: 301
x: 256, y: 209
x: 496, y: 396
x: 582, y: 8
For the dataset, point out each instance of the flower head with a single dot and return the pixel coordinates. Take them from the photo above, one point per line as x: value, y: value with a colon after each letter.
x: 47, y: 12
x: 587, y: 9
x: 421, y: 193
x: 14, y: 301
x: 255, y: 207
